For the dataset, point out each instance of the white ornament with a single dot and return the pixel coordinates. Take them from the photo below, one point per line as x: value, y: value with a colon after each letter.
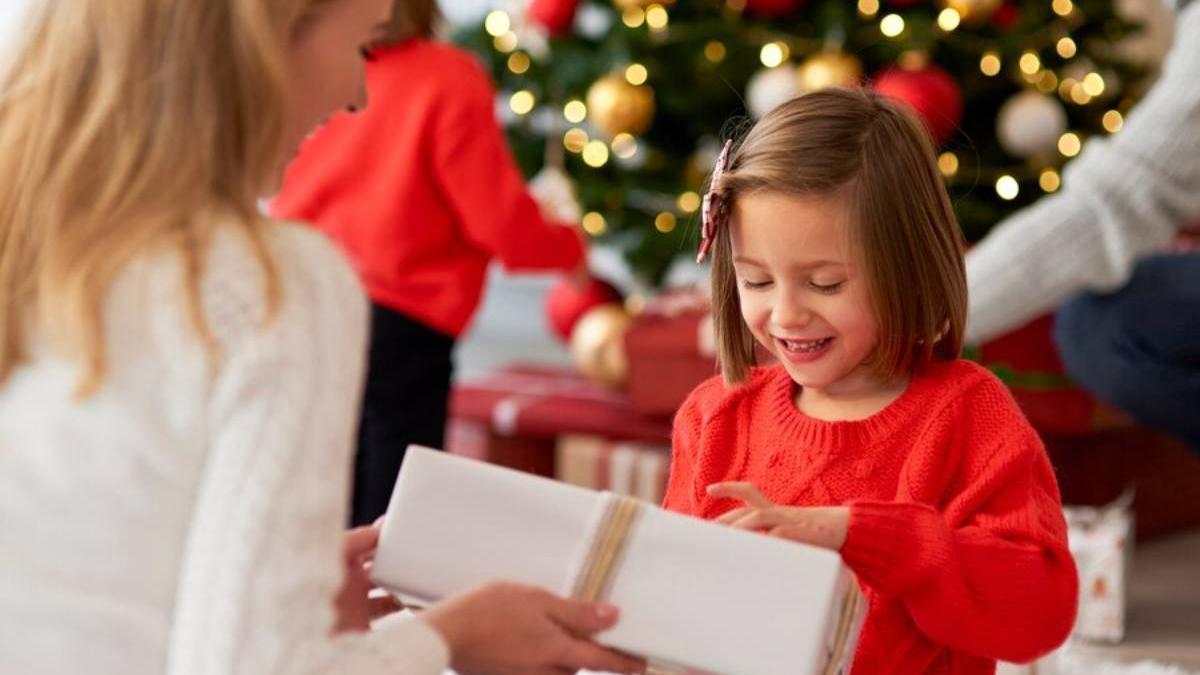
x: 1030, y: 123
x: 1150, y: 44
x: 504, y: 111
x: 770, y: 87
x: 593, y: 21
x: 532, y: 38
x: 554, y: 192
x: 707, y: 151
x: 544, y: 120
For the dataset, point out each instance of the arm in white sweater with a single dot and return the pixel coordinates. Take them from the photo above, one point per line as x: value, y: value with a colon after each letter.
x: 1123, y: 198
x: 262, y: 559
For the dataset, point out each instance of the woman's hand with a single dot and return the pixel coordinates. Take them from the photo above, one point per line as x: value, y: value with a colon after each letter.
x: 823, y: 526
x: 504, y: 628
x: 354, y: 605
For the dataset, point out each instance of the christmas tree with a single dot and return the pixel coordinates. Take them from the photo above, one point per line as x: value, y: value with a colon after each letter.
x: 633, y: 98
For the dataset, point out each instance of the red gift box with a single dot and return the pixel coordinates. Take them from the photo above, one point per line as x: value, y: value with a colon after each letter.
x: 1097, y: 452
x: 668, y: 357
x: 515, y: 416
x: 1028, y: 362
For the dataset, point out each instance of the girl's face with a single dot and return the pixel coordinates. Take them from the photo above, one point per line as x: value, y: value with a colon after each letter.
x: 802, y: 289
x: 325, y: 63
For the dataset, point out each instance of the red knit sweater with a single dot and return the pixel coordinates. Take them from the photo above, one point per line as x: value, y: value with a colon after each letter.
x: 956, y: 527
x: 420, y: 189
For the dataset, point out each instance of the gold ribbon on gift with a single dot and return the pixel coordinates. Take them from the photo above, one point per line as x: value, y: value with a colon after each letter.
x: 603, y: 561
x: 607, y: 546
x: 841, y: 641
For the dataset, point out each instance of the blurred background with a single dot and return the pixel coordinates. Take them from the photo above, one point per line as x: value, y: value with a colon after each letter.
x: 630, y: 99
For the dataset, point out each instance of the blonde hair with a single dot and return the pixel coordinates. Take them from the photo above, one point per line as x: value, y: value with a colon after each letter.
x: 126, y: 125
x: 875, y: 156
x: 412, y: 19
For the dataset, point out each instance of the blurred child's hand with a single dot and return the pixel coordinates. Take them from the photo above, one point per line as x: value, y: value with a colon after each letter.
x: 823, y: 526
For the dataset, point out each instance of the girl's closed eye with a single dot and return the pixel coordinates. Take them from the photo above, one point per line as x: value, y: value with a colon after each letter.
x: 827, y: 287
x: 754, y: 285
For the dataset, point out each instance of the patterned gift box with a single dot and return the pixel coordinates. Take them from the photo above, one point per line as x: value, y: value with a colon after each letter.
x: 1101, y: 542
x: 624, y: 468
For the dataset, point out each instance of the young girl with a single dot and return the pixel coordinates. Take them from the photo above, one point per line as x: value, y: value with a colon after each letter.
x: 419, y: 189
x: 179, y: 376
x: 835, y: 249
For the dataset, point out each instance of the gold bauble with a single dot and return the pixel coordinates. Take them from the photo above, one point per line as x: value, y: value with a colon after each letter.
x: 615, y: 106
x: 640, y: 4
x: 829, y: 69
x: 598, y: 344
x: 974, y: 12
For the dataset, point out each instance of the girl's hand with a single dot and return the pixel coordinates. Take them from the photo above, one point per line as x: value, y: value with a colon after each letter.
x: 823, y: 526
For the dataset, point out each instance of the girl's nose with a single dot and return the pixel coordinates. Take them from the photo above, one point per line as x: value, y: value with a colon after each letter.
x: 788, y: 313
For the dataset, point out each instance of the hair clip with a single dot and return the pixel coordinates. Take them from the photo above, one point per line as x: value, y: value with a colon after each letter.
x: 714, y: 210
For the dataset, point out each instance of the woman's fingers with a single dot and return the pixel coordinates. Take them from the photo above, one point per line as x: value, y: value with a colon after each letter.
x: 359, y: 542
x: 591, y: 656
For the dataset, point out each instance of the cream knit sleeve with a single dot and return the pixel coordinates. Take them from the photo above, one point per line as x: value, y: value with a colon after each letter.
x: 262, y: 558
x: 1122, y: 199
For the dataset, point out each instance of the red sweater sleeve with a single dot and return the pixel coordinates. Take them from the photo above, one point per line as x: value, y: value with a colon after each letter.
x: 991, y: 573
x: 484, y: 188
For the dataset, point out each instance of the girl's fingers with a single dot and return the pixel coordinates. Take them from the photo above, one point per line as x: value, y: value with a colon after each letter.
x: 735, y: 514
x: 761, y: 519
x: 804, y: 533
x: 746, y: 492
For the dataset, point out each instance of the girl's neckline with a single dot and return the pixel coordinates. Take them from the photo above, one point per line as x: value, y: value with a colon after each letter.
x: 839, y: 433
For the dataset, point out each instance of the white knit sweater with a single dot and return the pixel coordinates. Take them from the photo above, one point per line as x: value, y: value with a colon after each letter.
x: 1123, y: 198
x: 187, y: 519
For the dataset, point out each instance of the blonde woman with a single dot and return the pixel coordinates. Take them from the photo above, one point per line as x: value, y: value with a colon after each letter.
x: 179, y: 376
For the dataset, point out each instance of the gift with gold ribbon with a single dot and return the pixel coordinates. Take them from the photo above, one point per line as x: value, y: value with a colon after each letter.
x: 693, y: 595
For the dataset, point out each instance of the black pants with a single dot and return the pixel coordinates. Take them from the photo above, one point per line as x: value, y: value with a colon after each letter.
x: 408, y: 386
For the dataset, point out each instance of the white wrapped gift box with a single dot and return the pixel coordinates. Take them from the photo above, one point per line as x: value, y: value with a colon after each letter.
x: 692, y: 594
x: 1101, y: 541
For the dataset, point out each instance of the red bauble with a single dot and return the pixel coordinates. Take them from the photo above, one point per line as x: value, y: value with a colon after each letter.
x: 773, y: 8
x: 1007, y: 17
x: 567, y: 301
x: 931, y: 91
x: 556, y: 16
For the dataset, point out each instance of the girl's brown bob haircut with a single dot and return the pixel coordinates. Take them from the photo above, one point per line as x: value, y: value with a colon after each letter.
x: 873, y: 153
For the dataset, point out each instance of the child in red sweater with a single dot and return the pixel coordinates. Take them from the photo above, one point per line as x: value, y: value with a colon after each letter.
x: 420, y: 191
x: 836, y: 250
